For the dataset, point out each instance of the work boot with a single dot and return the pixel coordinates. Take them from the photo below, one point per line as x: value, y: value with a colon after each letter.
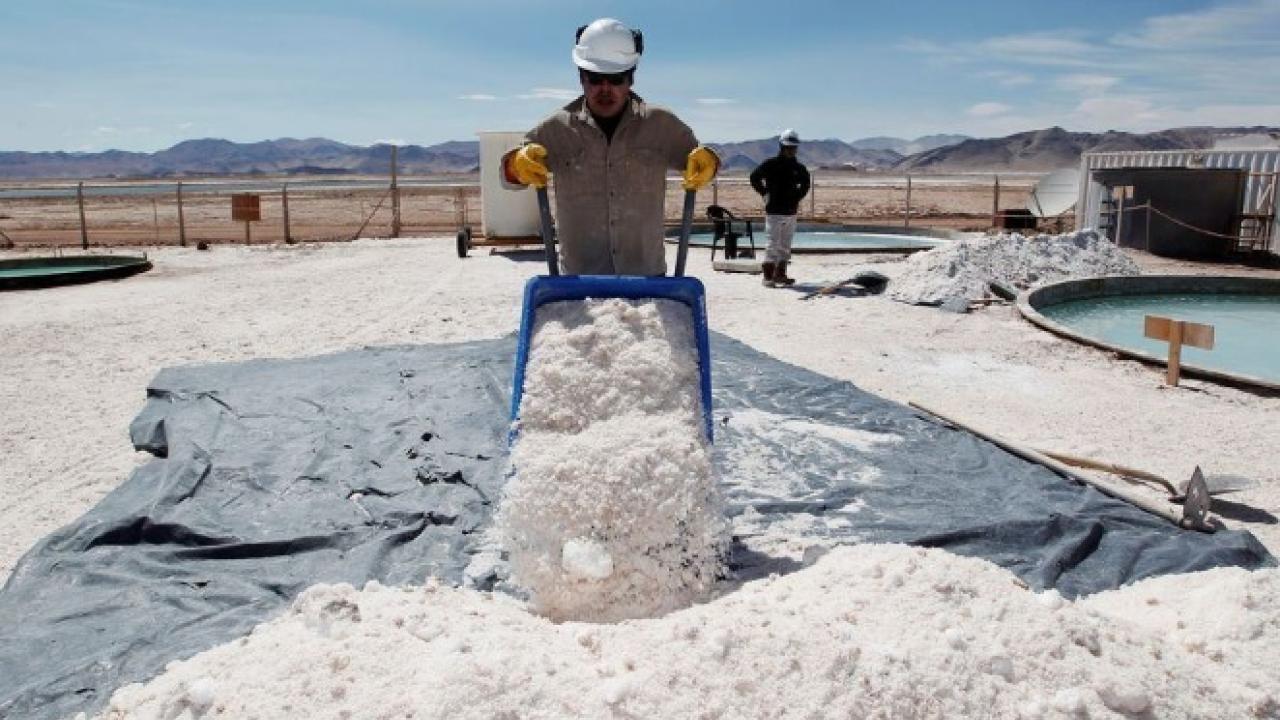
x: 780, y: 276
x: 768, y: 267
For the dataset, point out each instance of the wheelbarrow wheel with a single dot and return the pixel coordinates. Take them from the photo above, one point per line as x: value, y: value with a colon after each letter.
x: 464, y: 241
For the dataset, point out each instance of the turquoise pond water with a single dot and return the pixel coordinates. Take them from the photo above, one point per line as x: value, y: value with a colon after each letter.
x: 42, y: 270
x: 832, y: 240
x: 1246, y: 327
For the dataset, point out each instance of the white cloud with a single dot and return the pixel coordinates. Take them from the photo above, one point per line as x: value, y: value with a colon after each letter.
x: 543, y: 93
x: 1008, y: 78
x: 480, y: 97
x: 105, y: 130
x: 1116, y: 112
x: 1227, y: 26
x: 1087, y: 84
x: 988, y: 109
x: 1046, y: 48
x: 715, y: 101
x: 390, y: 141
x: 186, y: 125
x: 1140, y: 115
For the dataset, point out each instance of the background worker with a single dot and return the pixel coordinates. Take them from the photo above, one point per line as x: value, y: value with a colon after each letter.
x: 783, y: 181
x: 609, y: 152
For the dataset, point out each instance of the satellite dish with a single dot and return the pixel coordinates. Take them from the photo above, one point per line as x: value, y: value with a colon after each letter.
x: 1055, y: 193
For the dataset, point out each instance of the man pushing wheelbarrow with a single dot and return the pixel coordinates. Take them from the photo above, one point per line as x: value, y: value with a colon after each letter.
x: 609, y: 152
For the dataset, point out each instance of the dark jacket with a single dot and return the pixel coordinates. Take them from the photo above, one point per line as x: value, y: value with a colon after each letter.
x: 783, y: 182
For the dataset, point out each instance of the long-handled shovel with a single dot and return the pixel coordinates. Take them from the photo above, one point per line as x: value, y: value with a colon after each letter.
x: 1194, y: 514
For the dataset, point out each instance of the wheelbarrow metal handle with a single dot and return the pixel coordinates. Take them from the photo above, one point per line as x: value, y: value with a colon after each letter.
x: 686, y: 224
x: 548, y: 234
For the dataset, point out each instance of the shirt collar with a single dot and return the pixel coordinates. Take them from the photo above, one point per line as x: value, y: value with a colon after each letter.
x: 578, y: 108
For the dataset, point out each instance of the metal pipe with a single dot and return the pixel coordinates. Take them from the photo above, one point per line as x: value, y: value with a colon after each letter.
x: 686, y: 224
x: 548, y: 236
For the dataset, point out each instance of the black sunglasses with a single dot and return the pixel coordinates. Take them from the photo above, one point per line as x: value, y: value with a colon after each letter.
x: 614, y: 79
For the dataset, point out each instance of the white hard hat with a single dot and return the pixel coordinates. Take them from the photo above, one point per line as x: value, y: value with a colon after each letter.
x: 607, y: 46
x: 789, y: 138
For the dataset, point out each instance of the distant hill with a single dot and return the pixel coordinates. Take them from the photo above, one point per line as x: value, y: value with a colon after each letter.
x: 813, y: 153
x: 1043, y: 150
x: 222, y: 157
x: 1038, y: 150
x: 908, y: 147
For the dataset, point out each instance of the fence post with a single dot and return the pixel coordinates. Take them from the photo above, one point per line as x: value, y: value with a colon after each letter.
x: 995, y: 204
x: 395, y: 196
x: 906, y: 221
x: 715, y: 191
x: 84, y: 230
x: 284, y: 202
x: 460, y: 206
x: 813, y: 198
x: 182, y: 223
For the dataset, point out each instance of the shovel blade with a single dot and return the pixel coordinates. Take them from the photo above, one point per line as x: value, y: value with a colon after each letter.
x: 1195, y: 509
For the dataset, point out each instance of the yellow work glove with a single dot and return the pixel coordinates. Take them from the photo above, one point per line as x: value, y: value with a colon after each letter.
x: 528, y: 165
x: 700, y: 168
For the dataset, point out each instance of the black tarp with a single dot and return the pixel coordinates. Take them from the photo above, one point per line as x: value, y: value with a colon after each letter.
x: 384, y: 464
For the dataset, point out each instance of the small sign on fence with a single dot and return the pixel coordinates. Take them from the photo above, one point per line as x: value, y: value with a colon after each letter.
x: 1177, y: 333
x: 246, y: 207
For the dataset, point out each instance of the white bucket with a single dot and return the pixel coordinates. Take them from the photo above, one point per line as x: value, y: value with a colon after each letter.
x: 504, y: 212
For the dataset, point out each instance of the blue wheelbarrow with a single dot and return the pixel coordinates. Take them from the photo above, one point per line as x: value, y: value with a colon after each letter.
x: 554, y: 287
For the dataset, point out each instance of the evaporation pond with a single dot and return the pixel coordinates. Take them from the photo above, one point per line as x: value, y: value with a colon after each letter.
x: 1246, y: 327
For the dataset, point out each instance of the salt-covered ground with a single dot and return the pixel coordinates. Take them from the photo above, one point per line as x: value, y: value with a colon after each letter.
x: 881, y: 631
x: 76, y: 360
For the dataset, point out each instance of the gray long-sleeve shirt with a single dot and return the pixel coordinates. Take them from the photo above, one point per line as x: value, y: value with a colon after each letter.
x: 610, y: 194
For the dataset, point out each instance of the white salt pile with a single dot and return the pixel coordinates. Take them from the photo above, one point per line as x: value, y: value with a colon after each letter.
x: 963, y: 270
x: 612, y: 511
x: 877, y: 631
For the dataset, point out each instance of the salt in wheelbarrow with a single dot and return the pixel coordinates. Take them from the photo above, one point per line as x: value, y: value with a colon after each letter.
x: 554, y: 287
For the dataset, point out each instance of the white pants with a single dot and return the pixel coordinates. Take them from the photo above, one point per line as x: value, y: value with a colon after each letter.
x: 781, y: 229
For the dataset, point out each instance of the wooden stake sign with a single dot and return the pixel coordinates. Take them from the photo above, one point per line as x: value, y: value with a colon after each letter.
x: 1177, y: 333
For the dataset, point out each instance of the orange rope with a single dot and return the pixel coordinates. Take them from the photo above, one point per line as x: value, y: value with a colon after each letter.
x: 1176, y: 221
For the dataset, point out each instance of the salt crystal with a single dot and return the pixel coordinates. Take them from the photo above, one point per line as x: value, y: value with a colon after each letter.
x: 1128, y: 700
x: 201, y: 693
x: 585, y: 558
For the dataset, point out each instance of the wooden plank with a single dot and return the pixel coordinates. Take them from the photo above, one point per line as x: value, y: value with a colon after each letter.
x: 1197, y: 335
x: 1157, y: 328
x: 1175, y: 354
x: 1177, y: 333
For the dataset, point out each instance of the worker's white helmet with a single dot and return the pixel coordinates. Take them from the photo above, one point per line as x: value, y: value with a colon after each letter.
x: 789, y: 138
x: 607, y: 46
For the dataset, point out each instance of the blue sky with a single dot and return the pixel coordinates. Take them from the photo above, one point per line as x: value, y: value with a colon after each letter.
x: 143, y: 75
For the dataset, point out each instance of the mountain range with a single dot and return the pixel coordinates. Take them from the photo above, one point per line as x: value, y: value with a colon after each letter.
x: 1037, y: 150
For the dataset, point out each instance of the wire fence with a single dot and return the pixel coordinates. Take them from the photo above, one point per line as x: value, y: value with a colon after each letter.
x: 106, y: 213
